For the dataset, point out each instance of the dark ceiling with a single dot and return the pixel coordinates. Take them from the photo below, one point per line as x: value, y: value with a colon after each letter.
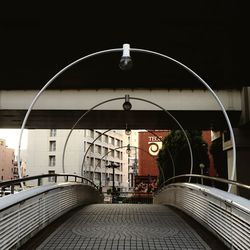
x: 208, y: 36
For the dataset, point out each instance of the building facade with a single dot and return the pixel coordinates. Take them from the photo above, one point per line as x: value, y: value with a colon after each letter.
x: 150, y: 142
x: 87, y: 153
x: 7, y: 162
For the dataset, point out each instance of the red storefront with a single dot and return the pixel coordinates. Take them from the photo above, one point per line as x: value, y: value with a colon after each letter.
x: 149, y: 145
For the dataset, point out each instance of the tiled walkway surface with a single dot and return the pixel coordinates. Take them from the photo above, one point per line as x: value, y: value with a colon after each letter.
x: 124, y: 226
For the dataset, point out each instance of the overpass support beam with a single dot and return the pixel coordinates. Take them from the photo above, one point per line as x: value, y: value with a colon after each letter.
x: 245, y: 104
x: 242, y: 141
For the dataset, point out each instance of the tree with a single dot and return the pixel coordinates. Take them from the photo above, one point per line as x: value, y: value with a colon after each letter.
x: 175, y: 146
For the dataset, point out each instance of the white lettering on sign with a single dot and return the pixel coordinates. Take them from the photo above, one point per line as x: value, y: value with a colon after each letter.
x: 154, y: 138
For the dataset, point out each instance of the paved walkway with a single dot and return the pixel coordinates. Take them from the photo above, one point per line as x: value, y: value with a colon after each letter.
x: 124, y: 226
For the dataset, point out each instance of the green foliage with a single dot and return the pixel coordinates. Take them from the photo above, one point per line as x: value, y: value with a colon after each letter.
x: 174, y: 157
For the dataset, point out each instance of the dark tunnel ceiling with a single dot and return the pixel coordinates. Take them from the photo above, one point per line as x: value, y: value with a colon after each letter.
x: 208, y: 36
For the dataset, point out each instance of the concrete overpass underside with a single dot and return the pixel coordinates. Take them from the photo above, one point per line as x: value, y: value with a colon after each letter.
x: 61, y: 109
x: 115, y: 119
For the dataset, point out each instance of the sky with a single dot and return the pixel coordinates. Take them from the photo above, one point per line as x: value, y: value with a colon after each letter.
x: 12, y: 138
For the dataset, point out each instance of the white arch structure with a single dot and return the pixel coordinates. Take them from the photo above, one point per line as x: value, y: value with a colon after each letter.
x: 127, y: 47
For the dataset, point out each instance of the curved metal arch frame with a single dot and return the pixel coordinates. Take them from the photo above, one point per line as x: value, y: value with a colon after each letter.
x: 135, y: 50
x: 92, y: 143
x: 132, y: 98
x: 170, y: 155
x: 79, y: 119
x: 120, y: 148
x: 84, y: 157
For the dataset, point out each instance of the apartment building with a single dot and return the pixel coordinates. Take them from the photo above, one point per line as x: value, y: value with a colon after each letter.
x: 7, y: 161
x: 88, y: 152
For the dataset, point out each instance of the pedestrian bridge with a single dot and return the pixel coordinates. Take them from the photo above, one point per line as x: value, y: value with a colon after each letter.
x: 69, y: 213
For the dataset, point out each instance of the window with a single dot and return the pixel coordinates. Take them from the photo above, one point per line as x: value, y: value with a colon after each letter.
x: 106, y: 138
x: 52, y: 178
x: 99, y: 136
x: 98, y: 163
x: 52, y: 160
x: 118, y: 143
x: 52, y: 132
x: 52, y: 146
x: 112, y: 140
x: 105, y: 151
x: 90, y: 133
x: 103, y: 162
x: 98, y: 149
x: 112, y: 153
x: 98, y: 176
x: 91, y: 161
x: 117, y: 154
x: 117, y: 177
x: 91, y: 147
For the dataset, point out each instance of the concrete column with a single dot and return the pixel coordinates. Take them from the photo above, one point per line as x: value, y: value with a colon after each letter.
x: 242, y: 138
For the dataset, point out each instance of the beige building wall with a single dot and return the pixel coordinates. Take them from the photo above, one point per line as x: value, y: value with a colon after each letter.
x: 45, y: 150
x: 7, y: 158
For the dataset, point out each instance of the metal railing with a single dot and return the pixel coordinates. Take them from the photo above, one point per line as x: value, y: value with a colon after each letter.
x: 25, y: 213
x: 195, y: 176
x: 225, y: 214
x: 129, y: 197
x: 52, y: 178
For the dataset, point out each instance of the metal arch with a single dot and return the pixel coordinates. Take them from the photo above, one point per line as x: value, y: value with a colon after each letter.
x: 84, y: 114
x: 44, y: 88
x: 139, y: 99
x: 185, y: 134
x: 214, y: 95
x: 136, y: 50
x: 84, y: 158
x: 120, y: 148
x: 85, y: 154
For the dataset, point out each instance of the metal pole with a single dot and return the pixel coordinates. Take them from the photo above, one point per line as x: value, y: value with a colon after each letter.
x: 113, y: 187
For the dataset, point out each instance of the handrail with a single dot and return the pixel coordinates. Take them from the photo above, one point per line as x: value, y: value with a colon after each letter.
x: 226, y: 215
x: 12, y: 183
x: 238, y: 184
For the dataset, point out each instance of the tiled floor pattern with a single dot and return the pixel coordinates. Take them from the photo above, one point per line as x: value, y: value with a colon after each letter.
x: 124, y: 226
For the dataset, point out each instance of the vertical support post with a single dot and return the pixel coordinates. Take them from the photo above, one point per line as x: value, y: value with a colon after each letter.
x: 39, y: 181
x: 12, y: 188
x: 113, y: 188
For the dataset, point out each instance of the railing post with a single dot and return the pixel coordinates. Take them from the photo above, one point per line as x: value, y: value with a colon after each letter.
x: 39, y: 181
x: 12, y: 188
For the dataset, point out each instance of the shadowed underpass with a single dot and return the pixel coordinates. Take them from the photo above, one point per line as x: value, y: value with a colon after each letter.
x: 124, y: 226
